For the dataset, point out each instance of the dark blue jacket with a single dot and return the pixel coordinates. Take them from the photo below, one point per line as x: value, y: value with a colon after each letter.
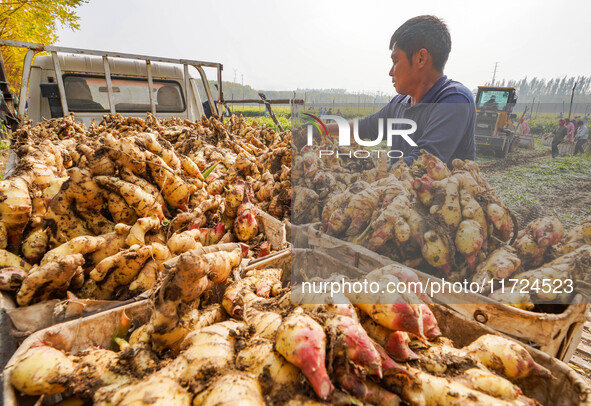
x: 445, y: 118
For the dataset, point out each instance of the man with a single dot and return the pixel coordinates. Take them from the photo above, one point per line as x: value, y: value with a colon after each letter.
x: 581, y: 137
x: 443, y: 109
x: 559, y: 135
x: 491, y: 104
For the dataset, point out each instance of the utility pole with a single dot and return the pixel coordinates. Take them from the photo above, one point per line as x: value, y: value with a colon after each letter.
x: 243, y: 86
x: 571, y: 100
x: 235, y: 75
x: 494, y: 74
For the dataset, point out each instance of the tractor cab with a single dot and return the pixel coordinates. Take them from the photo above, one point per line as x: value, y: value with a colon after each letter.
x: 493, y: 115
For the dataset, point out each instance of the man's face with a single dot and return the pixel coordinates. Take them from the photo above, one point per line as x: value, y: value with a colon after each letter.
x: 402, y: 73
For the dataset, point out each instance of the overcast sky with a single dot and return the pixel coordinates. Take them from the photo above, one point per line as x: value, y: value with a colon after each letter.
x: 280, y: 45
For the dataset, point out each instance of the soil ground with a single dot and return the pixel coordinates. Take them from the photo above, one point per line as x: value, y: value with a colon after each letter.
x: 532, y: 184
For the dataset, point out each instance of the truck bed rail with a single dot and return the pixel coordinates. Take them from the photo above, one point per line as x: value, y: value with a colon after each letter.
x: 34, y: 48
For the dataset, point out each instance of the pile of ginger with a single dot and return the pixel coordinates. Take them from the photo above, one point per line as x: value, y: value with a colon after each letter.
x: 96, y: 213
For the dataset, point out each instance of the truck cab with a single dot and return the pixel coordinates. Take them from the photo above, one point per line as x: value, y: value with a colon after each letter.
x: 87, y: 94
x: 493, y: 116
x: 93, y: 83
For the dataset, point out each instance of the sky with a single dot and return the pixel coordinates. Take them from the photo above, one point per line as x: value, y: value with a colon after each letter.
x: 280, y: 45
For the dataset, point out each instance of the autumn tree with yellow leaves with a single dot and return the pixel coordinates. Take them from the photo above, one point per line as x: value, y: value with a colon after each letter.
x: 32, y: 21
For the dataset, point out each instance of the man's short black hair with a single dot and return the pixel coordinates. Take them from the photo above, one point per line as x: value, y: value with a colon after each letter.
x: 427, y: 32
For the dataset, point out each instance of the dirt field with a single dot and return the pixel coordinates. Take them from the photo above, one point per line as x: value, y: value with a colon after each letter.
x: 533, y: 184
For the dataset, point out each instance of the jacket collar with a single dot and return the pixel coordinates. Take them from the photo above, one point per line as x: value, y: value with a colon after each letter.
x: 431, y: 94
x: 429, y: 97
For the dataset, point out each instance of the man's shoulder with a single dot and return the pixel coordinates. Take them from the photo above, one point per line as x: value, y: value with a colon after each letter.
x: 400, y: 98
x: 453, y: 91
x: 396, y: 102
x: 450, y: 91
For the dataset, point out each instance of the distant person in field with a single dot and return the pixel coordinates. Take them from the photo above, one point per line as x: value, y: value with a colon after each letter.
x: 443, y: 109
x: 570, y: 127
x: 560, y: 115
x: 586, y: 118
x: 524, y: 127
x: 329, y: 112
x: 559, y: 135
x: 339, y: 113
x: 581, y: 137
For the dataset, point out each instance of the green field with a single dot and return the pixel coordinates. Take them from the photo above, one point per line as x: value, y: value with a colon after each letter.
x: 283, y: 113
x: 539, y: 123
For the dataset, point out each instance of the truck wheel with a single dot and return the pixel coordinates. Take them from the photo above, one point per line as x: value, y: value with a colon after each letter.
x: 502, y: 153
x: 514, y: 144
x: 505, y: 151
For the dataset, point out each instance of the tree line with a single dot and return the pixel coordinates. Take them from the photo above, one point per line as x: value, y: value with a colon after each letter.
x: 549, y: 90
x: 236, y: 91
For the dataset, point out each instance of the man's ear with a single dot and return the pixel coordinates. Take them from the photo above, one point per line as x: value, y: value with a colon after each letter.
x: 422, y: 56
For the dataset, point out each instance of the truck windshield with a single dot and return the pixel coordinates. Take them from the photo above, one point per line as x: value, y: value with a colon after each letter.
x: 492, y: 100
x: 86, y: 93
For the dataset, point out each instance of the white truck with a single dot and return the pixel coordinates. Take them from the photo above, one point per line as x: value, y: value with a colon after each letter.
x: 93, y: 83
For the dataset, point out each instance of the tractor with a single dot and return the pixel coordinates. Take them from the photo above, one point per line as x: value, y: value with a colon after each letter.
x: 493, y: 131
